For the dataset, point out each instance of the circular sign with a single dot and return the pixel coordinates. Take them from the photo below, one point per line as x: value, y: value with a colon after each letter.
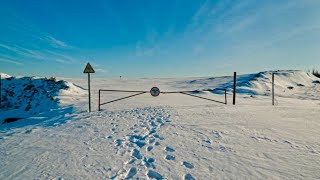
x: 155, y: 91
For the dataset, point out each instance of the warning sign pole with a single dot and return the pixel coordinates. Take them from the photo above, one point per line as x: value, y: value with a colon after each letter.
x: 89, y: 92
x: 88, y: 70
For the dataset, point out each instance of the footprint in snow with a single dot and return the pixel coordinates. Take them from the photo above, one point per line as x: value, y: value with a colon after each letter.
x: 118, y: 142
x: 158, y: 136
x: 169, y: 149
x: 170, y: 157
x: 140, y: 144
x: 187, y: 165
x: 135, y: 131
x: 154, y: 175
x: 108, y: 137
x: 149, y: 148
x: 150, y: 141
x: 136, y: 153
x: 131, y: 172
x: 130, y: 161
x: 148, y: 162
x: 188, y: 177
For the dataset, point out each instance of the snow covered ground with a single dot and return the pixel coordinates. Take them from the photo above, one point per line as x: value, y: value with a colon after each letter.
x: 172, y: 136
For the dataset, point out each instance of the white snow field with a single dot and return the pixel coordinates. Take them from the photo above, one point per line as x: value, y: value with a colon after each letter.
x: 172, y: 136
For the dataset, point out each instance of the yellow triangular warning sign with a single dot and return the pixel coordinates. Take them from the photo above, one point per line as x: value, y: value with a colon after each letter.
x: 88, y: 69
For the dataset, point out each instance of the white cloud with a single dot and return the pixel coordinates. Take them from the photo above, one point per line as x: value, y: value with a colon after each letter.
x: 23, y: 51
x: 44, y: 55
x: 10, y: 61
x: 56, y: 43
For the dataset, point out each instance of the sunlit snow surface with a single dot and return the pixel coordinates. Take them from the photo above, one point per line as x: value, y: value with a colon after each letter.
x: 172, y: 136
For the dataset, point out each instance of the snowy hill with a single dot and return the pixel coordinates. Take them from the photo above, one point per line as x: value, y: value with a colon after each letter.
x: 26, y: 96
x: 288, y: 83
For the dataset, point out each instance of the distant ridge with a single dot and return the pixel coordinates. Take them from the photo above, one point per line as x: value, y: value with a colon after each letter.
x: 3, y: 75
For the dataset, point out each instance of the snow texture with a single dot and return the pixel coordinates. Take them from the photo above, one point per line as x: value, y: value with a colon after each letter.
x: 172, y: 136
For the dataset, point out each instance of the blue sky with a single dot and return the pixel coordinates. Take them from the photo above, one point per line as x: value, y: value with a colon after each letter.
x: 158, y: 38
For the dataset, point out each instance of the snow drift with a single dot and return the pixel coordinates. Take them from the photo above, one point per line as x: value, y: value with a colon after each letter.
x: 288, y: 83
x: 25, y: 96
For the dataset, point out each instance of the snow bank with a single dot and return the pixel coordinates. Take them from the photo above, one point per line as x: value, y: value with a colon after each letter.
x: 25, y: 96
x: 287, y: 83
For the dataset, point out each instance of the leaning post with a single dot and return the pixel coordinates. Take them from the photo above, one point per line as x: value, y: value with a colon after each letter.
x: 234, y: 87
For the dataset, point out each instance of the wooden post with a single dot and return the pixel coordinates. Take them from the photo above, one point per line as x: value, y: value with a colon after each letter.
x: 273, y: 89
x: 234, y: 87
x: 99, y: 101
x: 225, y: 95
x: 89, y: 92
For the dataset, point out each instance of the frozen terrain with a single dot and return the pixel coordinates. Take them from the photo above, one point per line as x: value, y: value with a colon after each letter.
x: 172, y: 136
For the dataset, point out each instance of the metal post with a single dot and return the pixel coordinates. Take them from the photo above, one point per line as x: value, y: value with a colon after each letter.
x: 99, y: 101
x: 89, y: 92
x: 225, y: 95
x: 234, y: 87
x: 273, y: 89
x: 0, y: 90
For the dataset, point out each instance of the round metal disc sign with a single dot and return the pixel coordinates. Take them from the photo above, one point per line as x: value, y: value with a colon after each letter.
x: 155, y: 91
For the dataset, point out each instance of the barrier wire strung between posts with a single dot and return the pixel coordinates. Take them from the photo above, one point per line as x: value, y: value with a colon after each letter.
x: 188, y: 93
